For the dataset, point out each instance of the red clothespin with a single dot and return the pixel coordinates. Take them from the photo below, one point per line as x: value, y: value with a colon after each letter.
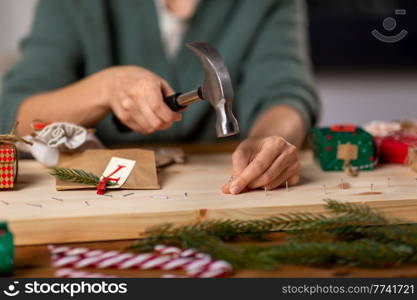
x: 103, y: 182
x: 102, y: 186
x: 343, y: 128
x: 38, y: 125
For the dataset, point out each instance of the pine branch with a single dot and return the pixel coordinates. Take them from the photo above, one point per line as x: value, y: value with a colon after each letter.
x: 355, y: 211
x: 399, y: 234
x: 77, y: 176
x: 226, y: 230
x: 353, y: 234
x: 364, y: 253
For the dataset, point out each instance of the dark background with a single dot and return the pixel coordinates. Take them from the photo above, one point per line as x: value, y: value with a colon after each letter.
x: 340, y: 34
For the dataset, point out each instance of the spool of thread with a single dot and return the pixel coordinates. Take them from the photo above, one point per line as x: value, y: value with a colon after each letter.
x: 6, y: 250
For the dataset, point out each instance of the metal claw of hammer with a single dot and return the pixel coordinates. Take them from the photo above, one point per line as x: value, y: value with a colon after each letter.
x: 217, y: 89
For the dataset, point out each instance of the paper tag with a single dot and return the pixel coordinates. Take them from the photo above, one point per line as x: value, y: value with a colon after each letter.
x: 347, y: 152
x: 118, y: 171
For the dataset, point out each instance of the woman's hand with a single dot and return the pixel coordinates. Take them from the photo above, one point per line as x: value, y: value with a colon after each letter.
x: 135, y: 95
x: 265, y: 162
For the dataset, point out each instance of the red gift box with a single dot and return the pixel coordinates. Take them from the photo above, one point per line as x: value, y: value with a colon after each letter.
x: 8, y: 166
x: 395, y: 148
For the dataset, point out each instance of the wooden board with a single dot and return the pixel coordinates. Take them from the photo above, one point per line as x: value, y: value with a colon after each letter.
x: 36, y: 218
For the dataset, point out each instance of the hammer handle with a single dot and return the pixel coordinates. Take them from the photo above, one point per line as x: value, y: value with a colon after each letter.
x: 171, y: 101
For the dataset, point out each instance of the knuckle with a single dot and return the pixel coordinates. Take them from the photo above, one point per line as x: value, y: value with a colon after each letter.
x: 272, y: 140
x: 156, y: 124
x: 258, y: 165
x: 276, y: 141
x: 267, y: 177
x: 127, y: 104
x: 132, y: 92
x: 156, y: 105
x: 237, y: 155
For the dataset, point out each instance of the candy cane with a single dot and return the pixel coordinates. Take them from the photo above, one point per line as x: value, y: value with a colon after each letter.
x: 122, y: 261
x: 66, y: 251
x: 70, y: 273
x: 214, y: 269
x: 159, y: 249
x: 196, y: 264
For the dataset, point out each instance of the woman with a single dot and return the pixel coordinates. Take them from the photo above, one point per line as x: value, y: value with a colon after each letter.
x: 85, y: 60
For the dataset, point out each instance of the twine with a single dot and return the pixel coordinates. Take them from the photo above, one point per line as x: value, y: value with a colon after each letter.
x: 12, y: 138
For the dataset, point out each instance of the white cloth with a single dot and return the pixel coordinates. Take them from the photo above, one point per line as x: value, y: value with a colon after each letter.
x: 59, y: 137
x: 382, y: 128
x: 172, y: 27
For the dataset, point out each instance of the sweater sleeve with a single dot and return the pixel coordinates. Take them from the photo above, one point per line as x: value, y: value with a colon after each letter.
x: 50, y: 59
x: 277, y: 70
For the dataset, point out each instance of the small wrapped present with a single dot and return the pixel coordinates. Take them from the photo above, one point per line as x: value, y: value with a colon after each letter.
x: 396, y: 147
x: 394, y: 140
x: 342, y: 147
x: 6, y: 250
x: 9, y: 159
x: 8, y: 166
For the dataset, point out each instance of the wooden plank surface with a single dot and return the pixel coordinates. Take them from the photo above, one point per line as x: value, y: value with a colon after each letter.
x: 36, y: 218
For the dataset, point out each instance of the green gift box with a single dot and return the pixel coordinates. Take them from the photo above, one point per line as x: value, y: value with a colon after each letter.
x: 340, y: 145
x: 6, y: 250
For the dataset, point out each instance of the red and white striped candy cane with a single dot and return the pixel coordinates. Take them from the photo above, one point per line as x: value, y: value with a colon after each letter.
x: 145, y: 261
x: 70, y: 273
x: 67, y: 251
x: 214, y: 269
x: 85, y: 252
x: 197, y: 265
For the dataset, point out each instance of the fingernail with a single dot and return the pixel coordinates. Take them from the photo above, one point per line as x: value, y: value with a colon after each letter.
x: 235, y: 189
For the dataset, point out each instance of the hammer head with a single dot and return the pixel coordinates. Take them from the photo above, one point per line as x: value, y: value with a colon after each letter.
x: 217, y: 87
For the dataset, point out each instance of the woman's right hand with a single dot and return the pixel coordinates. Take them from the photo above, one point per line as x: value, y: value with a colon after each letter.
x: 136, y: 96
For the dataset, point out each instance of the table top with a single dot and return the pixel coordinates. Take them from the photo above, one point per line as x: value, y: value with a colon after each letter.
x: 34, y: 261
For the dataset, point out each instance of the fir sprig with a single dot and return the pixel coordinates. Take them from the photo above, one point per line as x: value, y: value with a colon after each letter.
x: 227, y: 230
x: 77, y: 176
x: 350, y: 234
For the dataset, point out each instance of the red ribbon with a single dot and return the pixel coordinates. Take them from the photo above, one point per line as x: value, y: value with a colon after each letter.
x: 101, y: 188
x: 343, y: 128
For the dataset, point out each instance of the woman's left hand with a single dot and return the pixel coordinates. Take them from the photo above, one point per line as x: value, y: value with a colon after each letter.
x: 265, y: 162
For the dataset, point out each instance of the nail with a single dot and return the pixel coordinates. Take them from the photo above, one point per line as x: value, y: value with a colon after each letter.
x: 235, y: 189
x: 35, y: 205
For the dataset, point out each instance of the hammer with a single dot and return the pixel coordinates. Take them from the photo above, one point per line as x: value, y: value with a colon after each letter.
x: 217, y: 89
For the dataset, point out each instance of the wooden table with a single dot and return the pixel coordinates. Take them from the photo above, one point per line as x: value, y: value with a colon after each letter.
x: 34, y: 260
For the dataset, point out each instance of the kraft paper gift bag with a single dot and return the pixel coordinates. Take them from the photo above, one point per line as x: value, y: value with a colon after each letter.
x: 142, y: 177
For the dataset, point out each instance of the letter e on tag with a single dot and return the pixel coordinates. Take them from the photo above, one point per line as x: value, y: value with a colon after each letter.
x: 118, y: 171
